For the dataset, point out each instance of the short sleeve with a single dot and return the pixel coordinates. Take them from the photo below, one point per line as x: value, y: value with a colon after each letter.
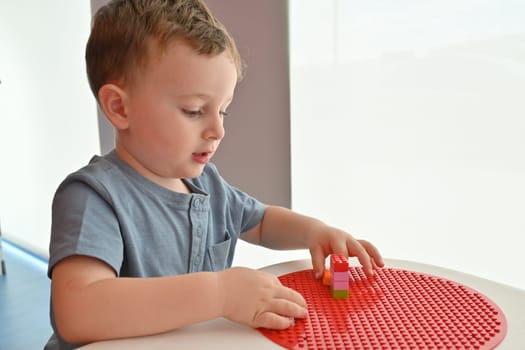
x: 250, y: 209
x: 84, y: 223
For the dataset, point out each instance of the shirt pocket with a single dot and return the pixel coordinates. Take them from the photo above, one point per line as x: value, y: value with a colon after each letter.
x: 218, y: 255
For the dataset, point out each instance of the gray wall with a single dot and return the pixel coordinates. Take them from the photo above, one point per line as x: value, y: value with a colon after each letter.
x: 105, y: 129
x: 255, y: 155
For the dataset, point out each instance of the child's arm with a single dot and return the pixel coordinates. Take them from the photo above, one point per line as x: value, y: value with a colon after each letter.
x: 90, y: 303
x: 282, y: 228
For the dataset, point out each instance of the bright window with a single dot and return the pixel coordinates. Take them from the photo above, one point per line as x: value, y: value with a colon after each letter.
x: 408, y: 127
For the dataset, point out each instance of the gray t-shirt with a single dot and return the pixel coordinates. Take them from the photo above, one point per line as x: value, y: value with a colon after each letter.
x: 108, y: 211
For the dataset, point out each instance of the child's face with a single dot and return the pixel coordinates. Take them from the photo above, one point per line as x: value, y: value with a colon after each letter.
x: 175, y: 110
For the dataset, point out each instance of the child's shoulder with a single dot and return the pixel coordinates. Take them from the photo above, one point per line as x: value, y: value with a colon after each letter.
x: 99, y: 173
x: 97, y: 167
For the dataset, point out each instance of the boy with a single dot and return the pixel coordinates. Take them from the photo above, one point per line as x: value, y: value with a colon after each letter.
x: 164, y: 73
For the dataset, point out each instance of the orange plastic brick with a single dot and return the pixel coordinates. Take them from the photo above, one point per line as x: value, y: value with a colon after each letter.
x: 326, y: 277
x: 396, y: 309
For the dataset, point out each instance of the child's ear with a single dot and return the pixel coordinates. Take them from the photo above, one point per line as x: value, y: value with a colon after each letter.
x: 112, y: 101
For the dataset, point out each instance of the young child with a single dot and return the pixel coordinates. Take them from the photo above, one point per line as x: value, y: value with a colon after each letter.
x: 143, y: 238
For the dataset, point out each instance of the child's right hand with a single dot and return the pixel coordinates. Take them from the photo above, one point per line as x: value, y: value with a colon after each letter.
x: 258, y: 299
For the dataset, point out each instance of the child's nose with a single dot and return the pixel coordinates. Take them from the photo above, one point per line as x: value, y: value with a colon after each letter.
x: 215, y: 129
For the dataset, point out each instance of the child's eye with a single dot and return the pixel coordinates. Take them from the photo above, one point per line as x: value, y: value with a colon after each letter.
x: 192, y: 113
x: 224, y: 113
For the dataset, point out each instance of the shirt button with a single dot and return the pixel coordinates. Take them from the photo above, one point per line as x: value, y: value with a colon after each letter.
x: 197, y: 202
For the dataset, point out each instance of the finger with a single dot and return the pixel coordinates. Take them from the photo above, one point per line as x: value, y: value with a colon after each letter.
x: 290, y: 295
x: 286, y: 308
x: 340, y: 247
x: 272, y: 321
x: 318, y: 260
x: 374, y: 265
x: 374, y: 253
x: 362, y: 255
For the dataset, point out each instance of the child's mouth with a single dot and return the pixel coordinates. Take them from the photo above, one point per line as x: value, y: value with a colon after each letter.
x: 202, y: 157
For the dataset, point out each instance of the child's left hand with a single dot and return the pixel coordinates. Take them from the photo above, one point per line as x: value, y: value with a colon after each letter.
x: 327, y: 240
x: 282, y: 228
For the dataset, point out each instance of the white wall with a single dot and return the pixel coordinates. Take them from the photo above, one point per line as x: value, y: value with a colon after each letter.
x: 48, y: 122
x: 408, y: 128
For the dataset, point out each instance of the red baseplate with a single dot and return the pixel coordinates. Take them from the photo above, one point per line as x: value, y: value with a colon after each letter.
x: 396, y: 309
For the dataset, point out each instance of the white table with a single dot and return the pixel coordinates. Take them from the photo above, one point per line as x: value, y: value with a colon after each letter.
x: 223, y: 334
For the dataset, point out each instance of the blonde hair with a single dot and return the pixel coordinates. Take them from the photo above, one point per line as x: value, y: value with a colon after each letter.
x: 123, y: 30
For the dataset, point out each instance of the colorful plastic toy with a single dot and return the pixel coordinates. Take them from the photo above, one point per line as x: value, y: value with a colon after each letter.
x: 396, y: 309
x: 339, y: 276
